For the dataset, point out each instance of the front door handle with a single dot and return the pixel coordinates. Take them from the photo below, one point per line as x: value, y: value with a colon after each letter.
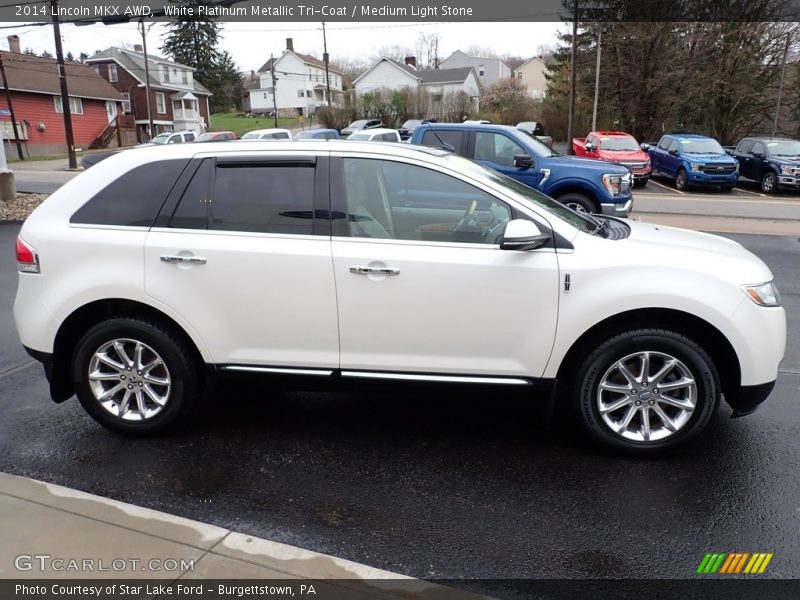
x: 174, y: 258
x: 359, y: 270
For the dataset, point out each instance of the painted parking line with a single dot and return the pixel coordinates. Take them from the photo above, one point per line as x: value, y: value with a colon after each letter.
x: 700, y: 198
x: 738, y: 189
x: 666, y: 188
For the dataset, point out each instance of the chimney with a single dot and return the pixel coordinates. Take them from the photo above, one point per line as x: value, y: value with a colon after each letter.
x: 411, y: 61
x: 290, y: 44
x: 13, y: 44
x: 252, y: 75
x: 138, y: 48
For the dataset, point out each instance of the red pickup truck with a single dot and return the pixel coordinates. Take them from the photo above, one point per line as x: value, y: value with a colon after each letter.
x: 617, y: 147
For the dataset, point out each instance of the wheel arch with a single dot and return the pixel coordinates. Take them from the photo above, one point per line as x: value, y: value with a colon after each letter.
x: 88, y: 315
x: 573, y: 188
x: 711, y: 339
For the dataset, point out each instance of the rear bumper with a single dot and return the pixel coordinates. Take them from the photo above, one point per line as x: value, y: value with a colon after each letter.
x: 749, y: 398
x: 616, y: 209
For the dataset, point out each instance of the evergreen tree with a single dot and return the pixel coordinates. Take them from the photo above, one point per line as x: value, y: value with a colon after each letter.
x: 226, y: 84
x: 46, y: 54
x: 192, y: 41
x: 69, y: 57
x: 83, y: 56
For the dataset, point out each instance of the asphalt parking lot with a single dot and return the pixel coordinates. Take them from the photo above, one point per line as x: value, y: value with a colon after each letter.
x: 434, y: 484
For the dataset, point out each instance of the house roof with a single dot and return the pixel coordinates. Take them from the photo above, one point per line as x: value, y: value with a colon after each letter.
x: 460, y: 54
x: 133, y: 62
x: 541, y: 60
x: 428, y: 76
x: 35, y: 74
x: 306, y: 58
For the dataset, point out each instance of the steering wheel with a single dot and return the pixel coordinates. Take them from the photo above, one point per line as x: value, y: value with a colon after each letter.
x: 469, y: 218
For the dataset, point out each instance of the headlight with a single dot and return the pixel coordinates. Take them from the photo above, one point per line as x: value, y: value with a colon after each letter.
x: 613, y: 183
x: 763, y: 294
x: 697, y: 166
x: 787, y: 169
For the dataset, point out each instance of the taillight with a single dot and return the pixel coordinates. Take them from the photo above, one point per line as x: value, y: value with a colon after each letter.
x: 27, y: 259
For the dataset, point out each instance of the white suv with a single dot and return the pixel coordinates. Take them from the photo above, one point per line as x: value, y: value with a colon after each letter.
x: 354, y: 261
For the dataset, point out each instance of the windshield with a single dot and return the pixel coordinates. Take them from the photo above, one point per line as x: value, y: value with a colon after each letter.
x: 701, y: 147
x: 161, y: 138
x: 357, y: 124
x: 618, y: 144
x: 784, y: 148
x: 525, y: 194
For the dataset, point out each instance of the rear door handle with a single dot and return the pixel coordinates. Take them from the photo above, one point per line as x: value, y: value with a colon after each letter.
x: 359, y: 270
x: 174, y: 258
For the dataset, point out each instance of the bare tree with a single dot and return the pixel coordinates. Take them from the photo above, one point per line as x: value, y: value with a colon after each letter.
x: 427, y: 49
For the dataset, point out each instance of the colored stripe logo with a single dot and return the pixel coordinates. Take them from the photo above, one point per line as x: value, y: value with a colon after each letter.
x: 734, y: 563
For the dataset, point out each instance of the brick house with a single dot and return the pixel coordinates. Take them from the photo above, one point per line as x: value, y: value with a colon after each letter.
x: 177, y: 101
x: 36, y: 98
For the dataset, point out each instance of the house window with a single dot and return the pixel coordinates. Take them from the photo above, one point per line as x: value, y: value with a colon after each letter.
x: 185, y: 76
x: 308, y: 93
x: 75, y: 105
x: 519, y: 75
x: 301, y: 93
x: 126, y: 102
x: 165, y: 70
x: 96, y: 69
x: 481, y: 71
x: 161, y: 104
x: 112, y: 73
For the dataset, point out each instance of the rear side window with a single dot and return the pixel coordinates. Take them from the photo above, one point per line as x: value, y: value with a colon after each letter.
x: 447, y: 136
x: 389, y: 137
x: 264, y: 197
x: 133, y: 199
x: 745, y: 146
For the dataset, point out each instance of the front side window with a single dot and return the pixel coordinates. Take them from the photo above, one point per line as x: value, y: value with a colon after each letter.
x: 758, y: 148
x: 496, y: 148
x: 392, y: 200
x: 674, y: 146
x: 664, y: 143
x: 745, y: 146
x: 264, y: 197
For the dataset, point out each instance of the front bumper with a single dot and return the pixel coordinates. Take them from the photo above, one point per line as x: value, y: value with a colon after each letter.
x: 616, y: 209
x: 791, y: 181
x: 700, y: 178
x: 749, y: 398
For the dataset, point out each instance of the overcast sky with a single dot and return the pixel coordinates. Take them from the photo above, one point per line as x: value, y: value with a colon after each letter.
x: 250, y: 43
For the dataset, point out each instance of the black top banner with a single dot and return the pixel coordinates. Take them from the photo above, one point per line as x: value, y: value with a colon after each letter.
x: 93, y: 11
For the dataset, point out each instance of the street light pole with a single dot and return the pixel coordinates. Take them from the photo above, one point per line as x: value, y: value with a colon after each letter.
x: 780, y: 87
x: 573, y: 77
x: 274, y: 89
x: 597, y: 80
x: 325, y: 58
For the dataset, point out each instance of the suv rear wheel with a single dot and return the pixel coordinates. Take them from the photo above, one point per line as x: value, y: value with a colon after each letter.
x: 135, y: 377
x: 646, y: 390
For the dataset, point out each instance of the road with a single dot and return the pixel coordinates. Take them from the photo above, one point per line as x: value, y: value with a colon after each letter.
x: 435, y: 484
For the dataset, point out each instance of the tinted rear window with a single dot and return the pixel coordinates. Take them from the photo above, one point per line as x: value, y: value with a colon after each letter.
x: 133, y: 199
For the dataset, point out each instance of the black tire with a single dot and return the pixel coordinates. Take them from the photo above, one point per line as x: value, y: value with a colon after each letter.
x: 681, y: 179
x: 769, y: 183
x: 579, y: 202
x: 728, y: 188
x: 640, y: 183
x: 181, y: 364
x: 667, y: 343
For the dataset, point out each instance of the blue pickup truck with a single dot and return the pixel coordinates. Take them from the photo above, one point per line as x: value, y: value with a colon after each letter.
x: 582, y: 184
x: 773, y: 162
x: 691, y: 159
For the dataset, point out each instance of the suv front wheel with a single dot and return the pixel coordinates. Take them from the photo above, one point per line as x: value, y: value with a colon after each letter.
x: 135, y: 377
x: 646, y: 390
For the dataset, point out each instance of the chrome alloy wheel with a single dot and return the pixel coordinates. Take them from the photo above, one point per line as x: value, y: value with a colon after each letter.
x: 577, y: 207
x: 647, y: 396
x: 129, y: 379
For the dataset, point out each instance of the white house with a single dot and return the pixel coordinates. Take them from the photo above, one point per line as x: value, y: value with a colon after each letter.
x: 532, y: 75
x: 394, y: 75
x: 489, y: 70
x: 300, y: 84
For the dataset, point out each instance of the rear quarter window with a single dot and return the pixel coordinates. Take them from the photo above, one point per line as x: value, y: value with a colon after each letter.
x: 134, y: 198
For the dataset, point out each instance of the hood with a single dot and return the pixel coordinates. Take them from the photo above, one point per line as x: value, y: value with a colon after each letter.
x: 588, y: 164
x: 710, y: 157
x: 716, y: 255
x: 624, y: 155
x: 785, y: 160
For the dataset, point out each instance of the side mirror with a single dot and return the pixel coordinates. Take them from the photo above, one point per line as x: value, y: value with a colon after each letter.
x: 589, y: 147
x: 645, y: 147
x: 521, y: 234
x: 758, y: 155
x: 672, y: 152
x: 523, y: 161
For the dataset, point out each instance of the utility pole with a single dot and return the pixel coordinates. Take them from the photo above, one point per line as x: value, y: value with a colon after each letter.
x: 11, y: 109
x: 596, y: 80
x: 780, y: 87
x: 325, y: 58
x: 62, y: 76
x: 8, y: 191
x: 573, y: 77
x: 274, y: 89
x: 151, y: 128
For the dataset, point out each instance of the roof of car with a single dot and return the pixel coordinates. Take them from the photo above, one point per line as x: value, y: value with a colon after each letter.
x: 767, y: 138
x: 272, y: 130
x: 375, y: 131
x: 613, y: 133
x: 690, y: 136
